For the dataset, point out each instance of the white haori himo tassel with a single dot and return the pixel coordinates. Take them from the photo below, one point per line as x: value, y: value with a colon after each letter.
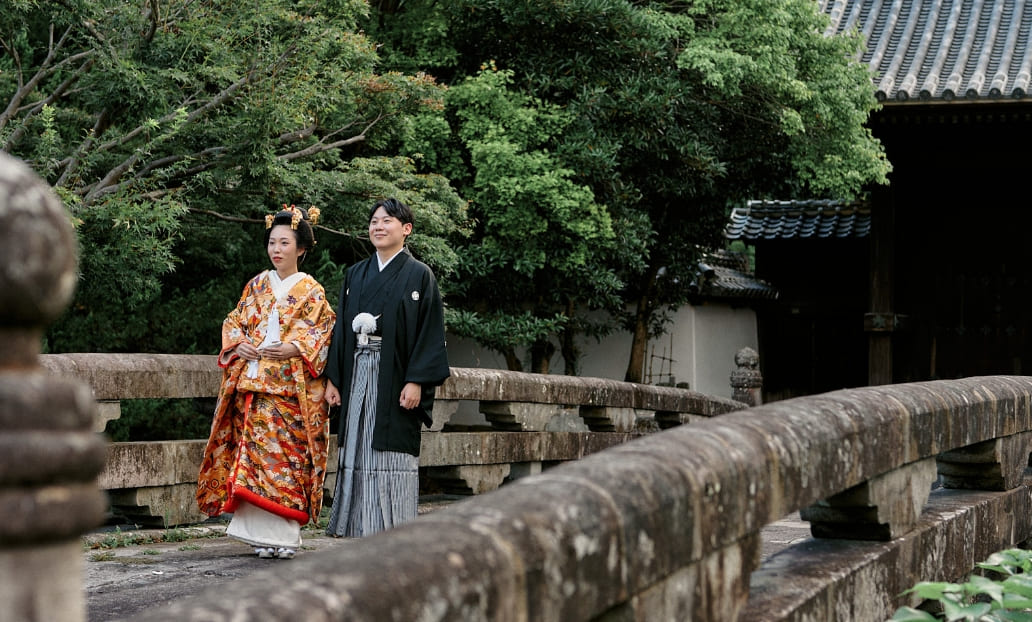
x: 272, y: 338
x: 364, y: 325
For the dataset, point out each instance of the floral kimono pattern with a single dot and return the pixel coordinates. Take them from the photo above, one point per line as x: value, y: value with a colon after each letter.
x: 268, y: 441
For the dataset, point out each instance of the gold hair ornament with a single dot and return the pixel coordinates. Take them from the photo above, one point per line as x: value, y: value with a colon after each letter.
x: 296, y: 216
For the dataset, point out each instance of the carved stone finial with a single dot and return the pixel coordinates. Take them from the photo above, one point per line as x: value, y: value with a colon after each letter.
x: 747, y: 358
x: 37, y: 260
x: 38, y: 257
x: 51, y: 456
x: 746, y: 380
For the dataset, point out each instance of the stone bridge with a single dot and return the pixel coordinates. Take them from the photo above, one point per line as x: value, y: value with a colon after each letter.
x: 660, y: 526
x: 534, y: 421
x: 653, y: 510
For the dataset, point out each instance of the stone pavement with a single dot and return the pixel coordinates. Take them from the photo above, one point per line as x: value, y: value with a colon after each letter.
x: 151, y: 568
x: 129, y: 580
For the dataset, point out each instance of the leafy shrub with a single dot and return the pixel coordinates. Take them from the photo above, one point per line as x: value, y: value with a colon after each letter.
x: 162, y: 420
x: 980, y: 599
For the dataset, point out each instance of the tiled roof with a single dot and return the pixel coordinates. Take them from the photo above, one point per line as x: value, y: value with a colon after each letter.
x: 776, y: 220
x: 941, y: 50
x: 724, y: 274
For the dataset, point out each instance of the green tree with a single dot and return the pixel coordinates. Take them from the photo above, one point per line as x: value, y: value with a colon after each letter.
x: 171, y: 128
x: 673, y: 112
x: 535, y: 225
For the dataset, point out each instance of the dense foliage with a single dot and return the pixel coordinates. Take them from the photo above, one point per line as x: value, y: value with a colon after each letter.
x: 172, y: 128
x: 596, y: 144
x: 655, y: 117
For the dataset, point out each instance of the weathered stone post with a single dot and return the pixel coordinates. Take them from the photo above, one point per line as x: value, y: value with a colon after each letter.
x: 49, y: 455
x: 746, y: 380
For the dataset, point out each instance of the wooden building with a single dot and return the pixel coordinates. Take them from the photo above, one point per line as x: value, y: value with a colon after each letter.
x: 930, y: 276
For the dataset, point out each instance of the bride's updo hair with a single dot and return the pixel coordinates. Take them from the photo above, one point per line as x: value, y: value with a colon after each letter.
x: 299, y: 220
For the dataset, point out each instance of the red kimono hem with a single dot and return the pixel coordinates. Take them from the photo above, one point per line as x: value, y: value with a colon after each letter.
x: 243, y: 494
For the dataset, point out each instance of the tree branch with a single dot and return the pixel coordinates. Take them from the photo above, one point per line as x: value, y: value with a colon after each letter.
x: 261, y: 221
x: 296, y: 135
x: 223, y: 96
x: 321, y: 146
x: 156, y: 164
x: 112, y: 176
x: 71, y: 164
x: 166, y: 161
x: 231, y: 89
x: 13, y: 52
x: 44, y: 70
x: 95, y: 191
x: 152, y: 16
x: 115, y: 173
x: 38, y: 106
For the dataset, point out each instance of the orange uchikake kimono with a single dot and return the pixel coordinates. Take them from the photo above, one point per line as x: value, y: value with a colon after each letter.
x: 268, y: 442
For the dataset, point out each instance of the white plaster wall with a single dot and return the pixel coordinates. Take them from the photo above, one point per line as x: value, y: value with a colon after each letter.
x: 468, y: 353
x: 709, y: 339
x: 605, y: 359
x: 699, y: 348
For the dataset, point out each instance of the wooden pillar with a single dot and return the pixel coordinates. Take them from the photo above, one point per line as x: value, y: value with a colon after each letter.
x: 881, y: 320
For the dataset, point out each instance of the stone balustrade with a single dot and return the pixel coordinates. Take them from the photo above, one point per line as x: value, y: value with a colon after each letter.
x: 535, y: 421
x: 668, y: 526
x: 632, y: 526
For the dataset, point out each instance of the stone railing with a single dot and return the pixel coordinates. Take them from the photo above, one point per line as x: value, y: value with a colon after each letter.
x: 665, y: 526
x: 534, y: 420
x: 668, y: 526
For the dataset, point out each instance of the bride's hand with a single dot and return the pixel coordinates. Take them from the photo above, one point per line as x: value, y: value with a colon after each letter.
x: 280, y: 351
x: 247, y: 351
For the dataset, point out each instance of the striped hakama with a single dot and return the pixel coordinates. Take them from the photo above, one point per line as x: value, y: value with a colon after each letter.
x: 375, y: 490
